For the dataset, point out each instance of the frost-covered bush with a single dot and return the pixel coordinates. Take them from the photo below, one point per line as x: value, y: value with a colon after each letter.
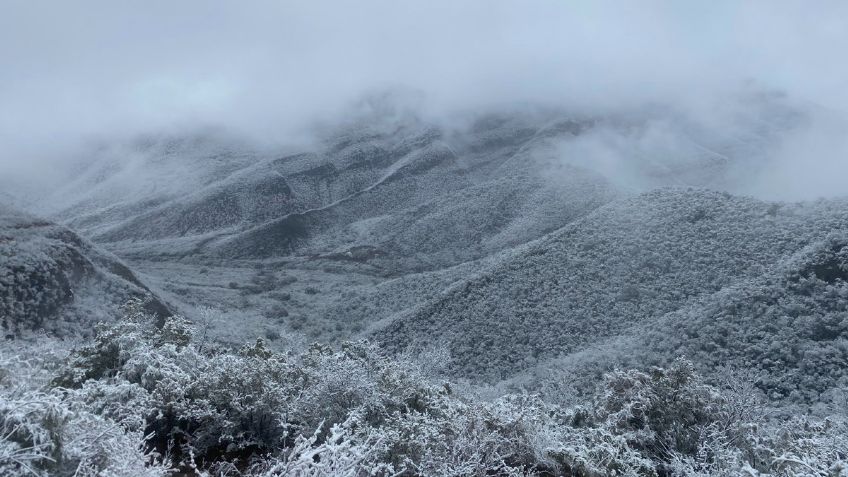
x: 345, y: 452
x: 669, y: 422
x: 139, y: 400
x: 206, y: 406
x: 663, y: 411
x: 48, y: 430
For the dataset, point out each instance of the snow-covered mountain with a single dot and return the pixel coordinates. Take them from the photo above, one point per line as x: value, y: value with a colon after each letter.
x: 516, y: 240
x: 513, y: 252
x: 630, y: 269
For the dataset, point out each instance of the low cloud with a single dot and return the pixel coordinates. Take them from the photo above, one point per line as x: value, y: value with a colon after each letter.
x: 272, y: 70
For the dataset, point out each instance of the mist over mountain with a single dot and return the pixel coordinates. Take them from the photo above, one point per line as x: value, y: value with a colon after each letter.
x: 441, y: 238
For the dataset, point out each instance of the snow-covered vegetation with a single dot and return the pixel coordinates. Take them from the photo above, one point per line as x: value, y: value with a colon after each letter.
x: 52, y: 279
x: 139, y: 400
x: 787, y: 330
x: 473, y: 327
x: 627, y: 265
x: 477, y: 238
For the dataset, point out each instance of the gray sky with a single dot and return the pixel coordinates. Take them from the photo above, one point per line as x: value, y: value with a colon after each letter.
x: 73, y: 69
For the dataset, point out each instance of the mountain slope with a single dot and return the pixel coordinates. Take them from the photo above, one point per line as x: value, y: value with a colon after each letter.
x: 628, y: 262
x: 419, y: 196
x: 785, y: 331
x: 52, y: 279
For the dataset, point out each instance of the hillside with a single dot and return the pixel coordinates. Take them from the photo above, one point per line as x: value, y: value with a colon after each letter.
x: 625, y: 264
x: 415, y: 196
x: 53, y: 280
x: 784, y: 331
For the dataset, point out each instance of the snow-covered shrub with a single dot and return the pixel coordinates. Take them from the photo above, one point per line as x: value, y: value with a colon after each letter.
x: 45, y: 430
x: 592, y: 452
x: 348, y: 451
x: 194, y: 404
x: 456, y: 438
x: 663, y: 411
x: 138, y: 400
x: 203, y: 406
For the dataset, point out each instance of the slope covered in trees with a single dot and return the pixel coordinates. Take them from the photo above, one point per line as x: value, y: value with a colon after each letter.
x: 625, y: 264
x: 786, y: 330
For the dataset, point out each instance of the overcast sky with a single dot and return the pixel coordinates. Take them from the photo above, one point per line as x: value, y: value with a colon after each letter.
x: 73, y: 69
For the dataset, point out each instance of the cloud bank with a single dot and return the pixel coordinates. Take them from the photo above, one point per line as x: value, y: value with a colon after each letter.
x: 272, y: 69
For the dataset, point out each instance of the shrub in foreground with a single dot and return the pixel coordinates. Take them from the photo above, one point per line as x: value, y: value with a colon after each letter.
x: 141, y: 401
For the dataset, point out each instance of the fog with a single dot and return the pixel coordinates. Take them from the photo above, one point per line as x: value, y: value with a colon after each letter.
x: 271, y: 71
